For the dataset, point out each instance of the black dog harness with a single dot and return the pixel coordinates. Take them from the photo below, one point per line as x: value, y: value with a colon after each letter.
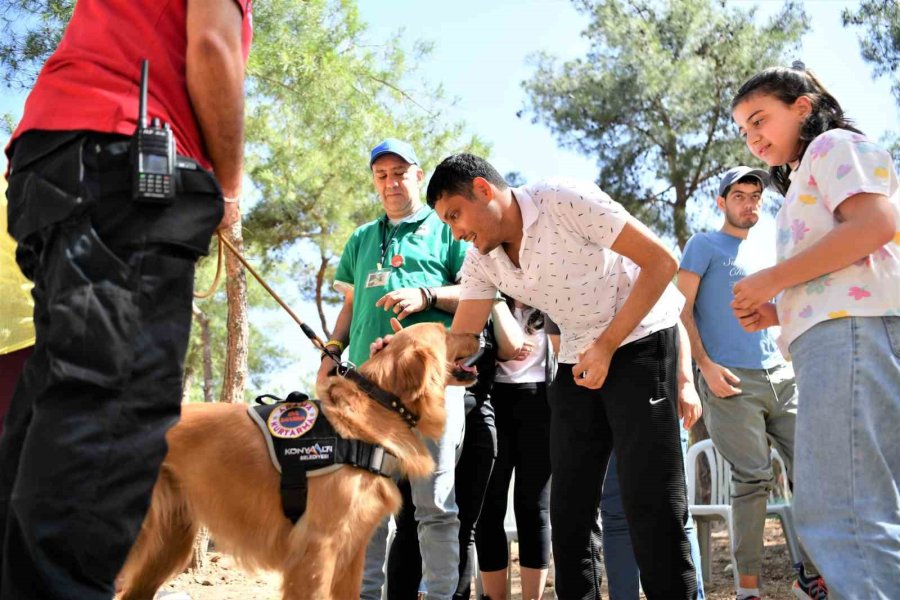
x: 302, y: 443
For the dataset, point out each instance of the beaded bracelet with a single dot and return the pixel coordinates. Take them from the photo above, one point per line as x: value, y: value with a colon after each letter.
x: 429, y: 297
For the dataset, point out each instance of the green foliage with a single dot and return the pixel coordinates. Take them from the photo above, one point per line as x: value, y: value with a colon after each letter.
x: 651, y: 100
x: 321, y: 97
x: 514, y: 179
x: 267, y: 354
x: 29, y: 32
x: 880, y: 40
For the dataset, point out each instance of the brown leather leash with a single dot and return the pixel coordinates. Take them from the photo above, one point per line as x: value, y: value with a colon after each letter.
x: 344, y: 368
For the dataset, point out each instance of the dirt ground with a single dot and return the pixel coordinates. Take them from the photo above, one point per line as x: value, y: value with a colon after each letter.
x: 223, y: 580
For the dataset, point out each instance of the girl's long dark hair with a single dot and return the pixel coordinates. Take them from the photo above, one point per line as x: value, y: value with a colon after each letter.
x: 788, y: 84
x: 535, y: 320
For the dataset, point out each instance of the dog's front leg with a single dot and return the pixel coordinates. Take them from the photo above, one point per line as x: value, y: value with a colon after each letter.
x: 349, y: 582
x: 309, y: 571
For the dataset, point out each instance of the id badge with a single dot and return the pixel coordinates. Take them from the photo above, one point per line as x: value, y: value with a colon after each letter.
x: 377, y: 278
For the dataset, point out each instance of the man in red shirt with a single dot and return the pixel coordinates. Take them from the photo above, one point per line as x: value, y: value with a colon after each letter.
x: 85, y: 434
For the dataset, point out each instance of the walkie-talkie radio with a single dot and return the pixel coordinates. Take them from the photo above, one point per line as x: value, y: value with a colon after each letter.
x: 152, y: 154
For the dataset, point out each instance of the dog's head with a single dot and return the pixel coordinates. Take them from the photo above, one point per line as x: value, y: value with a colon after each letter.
x: 417, y: 364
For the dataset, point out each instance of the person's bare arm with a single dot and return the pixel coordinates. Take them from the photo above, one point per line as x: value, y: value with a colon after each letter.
x: 510, y: 337
x: 689, y: 407
x: 471, y: 315
x: 341, y: 333
x: 865, y: 223
x: 215, y: 82
x: 406, y: 301
x: 719, y: 379
x: 658, y: 266
x: 447, y: 297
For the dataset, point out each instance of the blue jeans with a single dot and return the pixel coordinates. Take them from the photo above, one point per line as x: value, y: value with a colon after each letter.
x: 622, y: 574
x: 847, y: 454
x: 436, y: 513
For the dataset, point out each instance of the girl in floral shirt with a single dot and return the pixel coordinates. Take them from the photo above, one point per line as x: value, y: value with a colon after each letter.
x: 838, y: 285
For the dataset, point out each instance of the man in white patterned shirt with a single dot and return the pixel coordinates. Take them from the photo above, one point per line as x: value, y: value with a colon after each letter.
x: 568, y: 249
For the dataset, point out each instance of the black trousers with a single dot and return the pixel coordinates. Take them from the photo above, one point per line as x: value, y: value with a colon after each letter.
x: 404, y: 570
x: 523, y: 446
x: 634, y: 412
x: 85, y: 434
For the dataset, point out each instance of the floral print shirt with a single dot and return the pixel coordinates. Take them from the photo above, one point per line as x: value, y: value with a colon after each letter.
x: 838, y: 164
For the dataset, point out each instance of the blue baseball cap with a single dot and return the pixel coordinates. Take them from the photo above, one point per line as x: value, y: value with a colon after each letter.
x: 394, y: 146
x: 736, y: 173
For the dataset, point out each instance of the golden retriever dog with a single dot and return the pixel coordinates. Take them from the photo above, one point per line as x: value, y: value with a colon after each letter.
x: 218, y: 474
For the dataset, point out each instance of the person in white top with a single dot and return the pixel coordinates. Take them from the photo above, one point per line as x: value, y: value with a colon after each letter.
x: 566, y: 248
x: 838, y: 285
x: 519, y: 397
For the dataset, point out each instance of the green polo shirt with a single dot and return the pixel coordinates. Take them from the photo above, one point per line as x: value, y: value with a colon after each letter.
x: 430, y: 258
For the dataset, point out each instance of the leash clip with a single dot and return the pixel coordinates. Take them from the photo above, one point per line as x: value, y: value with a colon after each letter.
x: 345, y: 367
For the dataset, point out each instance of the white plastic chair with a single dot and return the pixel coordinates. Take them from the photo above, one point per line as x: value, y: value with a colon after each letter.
x: 719, y: 506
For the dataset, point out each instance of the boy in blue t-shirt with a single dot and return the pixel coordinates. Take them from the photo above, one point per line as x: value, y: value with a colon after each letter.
x: 748, y: 391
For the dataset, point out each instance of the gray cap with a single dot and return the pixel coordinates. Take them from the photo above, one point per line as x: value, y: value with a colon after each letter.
x: 736, y: 173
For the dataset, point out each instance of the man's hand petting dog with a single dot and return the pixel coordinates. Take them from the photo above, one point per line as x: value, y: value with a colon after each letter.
x: 403, y: 302
x: 380, y: 343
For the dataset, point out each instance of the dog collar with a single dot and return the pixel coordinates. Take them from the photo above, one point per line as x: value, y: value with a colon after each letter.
x: 383, y: 397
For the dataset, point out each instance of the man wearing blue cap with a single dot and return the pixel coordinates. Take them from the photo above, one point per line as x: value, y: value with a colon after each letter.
x: 748, y: 391
x: 405, y: 264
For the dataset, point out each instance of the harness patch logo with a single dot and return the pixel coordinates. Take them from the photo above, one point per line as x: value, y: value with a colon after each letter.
x: 313, y: 450
x: 293, y: 419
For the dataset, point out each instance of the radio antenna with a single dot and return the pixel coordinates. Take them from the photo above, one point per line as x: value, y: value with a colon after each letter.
x: 142, y: 108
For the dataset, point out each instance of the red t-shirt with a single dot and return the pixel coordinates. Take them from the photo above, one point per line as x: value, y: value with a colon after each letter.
x: 92, y: 81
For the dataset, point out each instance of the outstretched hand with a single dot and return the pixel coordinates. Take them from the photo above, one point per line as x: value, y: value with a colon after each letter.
x: 403, y: 302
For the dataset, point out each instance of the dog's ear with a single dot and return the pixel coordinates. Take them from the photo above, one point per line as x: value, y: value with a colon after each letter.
x: 417, y: 369
x: 420, y: 377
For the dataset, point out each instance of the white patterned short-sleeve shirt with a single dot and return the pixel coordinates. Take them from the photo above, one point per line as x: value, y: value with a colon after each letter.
x: 838, y: 164
x: 567, y: 267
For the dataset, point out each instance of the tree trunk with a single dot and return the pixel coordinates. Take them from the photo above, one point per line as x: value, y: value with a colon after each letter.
x: 235, y: 378
x: 679, y: 213
x: 320, y: 281
x: 238, y: 327
x: 186, y: 382
x: 200, y: 556
x: 206, y: 348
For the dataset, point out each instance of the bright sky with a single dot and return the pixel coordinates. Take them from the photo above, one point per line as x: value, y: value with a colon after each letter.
x: 480, y: 56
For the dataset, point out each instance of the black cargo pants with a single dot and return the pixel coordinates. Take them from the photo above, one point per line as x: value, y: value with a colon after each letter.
x: 85, y: 435
x: 635, y: 412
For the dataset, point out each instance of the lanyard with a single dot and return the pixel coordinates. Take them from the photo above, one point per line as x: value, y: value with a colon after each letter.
x: 385, y: 243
